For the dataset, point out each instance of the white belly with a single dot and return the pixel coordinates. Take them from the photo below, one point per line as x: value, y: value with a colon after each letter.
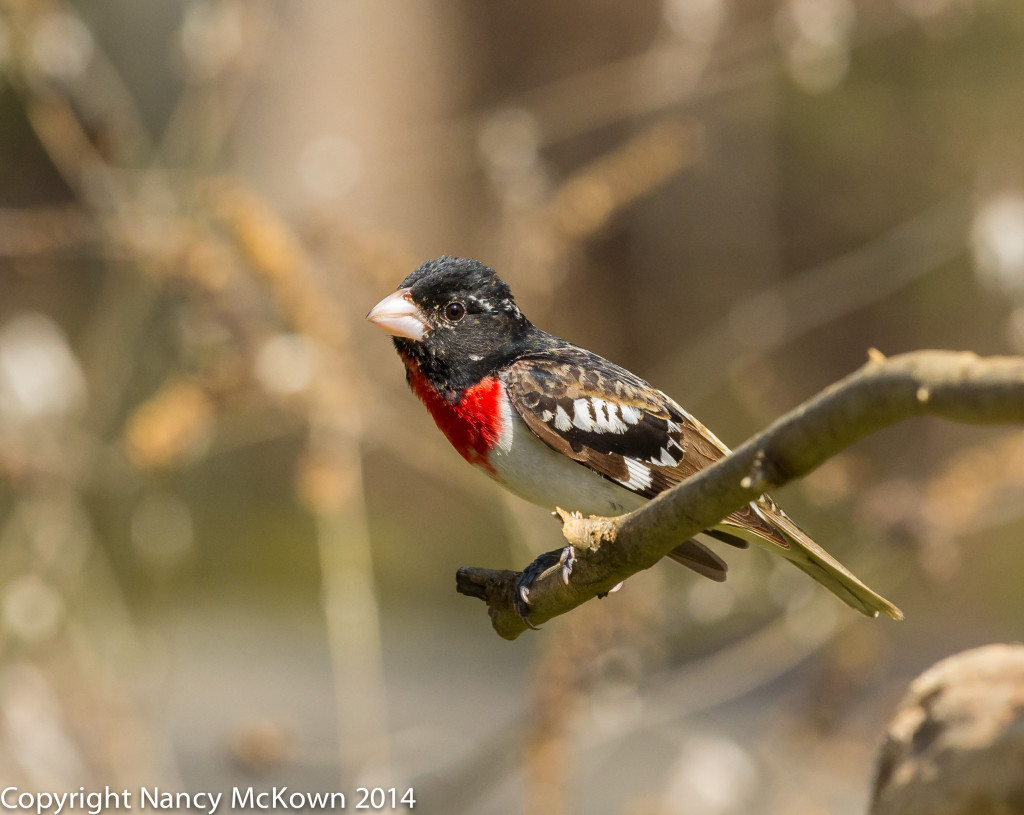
x: 529, y: 468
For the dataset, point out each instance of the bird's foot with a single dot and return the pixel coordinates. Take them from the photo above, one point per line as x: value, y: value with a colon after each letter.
x: 543, y: 566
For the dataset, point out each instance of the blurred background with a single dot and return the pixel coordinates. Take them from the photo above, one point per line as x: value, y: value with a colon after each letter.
x: 228, y: 533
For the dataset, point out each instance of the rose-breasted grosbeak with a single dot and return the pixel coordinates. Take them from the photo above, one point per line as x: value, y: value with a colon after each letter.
x: 562, y: 427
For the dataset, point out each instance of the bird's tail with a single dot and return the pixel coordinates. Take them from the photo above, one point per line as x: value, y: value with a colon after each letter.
x: 810, y: 558
x: 807, y: 556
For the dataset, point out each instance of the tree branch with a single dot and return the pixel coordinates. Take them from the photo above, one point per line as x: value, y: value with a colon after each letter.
x: 957, y: 386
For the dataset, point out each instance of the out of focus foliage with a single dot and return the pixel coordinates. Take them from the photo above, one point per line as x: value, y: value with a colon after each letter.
x: 228, y: 532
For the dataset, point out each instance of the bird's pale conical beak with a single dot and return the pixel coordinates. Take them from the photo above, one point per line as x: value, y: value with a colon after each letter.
x: 398, y: 315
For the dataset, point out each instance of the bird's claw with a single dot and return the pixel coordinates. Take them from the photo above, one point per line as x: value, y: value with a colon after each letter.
x: 562, y: 559
x: 566, y: 561
x: 612, y: 590
x: 521, y: 601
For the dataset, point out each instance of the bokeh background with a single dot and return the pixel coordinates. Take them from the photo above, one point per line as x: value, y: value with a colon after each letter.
x: 228, y: 534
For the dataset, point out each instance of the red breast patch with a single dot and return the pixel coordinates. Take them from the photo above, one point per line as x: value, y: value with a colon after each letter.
x: 473, y: 425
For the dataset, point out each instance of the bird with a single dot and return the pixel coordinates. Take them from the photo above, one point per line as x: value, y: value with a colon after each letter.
x: 562, y: 427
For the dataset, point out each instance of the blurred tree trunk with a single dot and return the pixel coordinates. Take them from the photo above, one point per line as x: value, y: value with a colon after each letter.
x: 335, y: 142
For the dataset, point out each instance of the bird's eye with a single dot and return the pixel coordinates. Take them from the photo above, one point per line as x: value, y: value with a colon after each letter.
x: 454, y: 312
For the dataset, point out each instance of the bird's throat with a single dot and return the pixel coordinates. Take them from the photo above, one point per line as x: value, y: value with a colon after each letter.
x: 472, y: 422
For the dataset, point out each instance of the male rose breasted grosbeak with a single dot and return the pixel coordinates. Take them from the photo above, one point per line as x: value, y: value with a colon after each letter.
x: 562, y: 427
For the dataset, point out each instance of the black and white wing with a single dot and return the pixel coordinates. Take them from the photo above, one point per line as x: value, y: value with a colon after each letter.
x: 613, y: 422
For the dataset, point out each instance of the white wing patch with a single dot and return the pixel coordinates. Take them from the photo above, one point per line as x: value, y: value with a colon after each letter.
x: 630, y: 415
x: 665, y: 458
x: 639, y: 475
x: 547, y: 416
x: 608, y: 420
x: 593, y: 415
x: 581, y: 415
x: 562, y: 420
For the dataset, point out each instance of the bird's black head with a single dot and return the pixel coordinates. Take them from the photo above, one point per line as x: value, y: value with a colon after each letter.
x: 456, y: 319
